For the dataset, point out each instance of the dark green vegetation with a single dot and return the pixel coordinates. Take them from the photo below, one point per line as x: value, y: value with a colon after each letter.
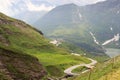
x: 104, y: 71
x: 20, y: 37
x: 74, y: 23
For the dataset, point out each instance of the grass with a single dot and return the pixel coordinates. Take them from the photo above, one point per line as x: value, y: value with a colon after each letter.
x: 2, y: 76
x: 79, y: 69
x: 59, y: 61
x: 103, y: 71
x: 114, y: 75
x: 23, y: 38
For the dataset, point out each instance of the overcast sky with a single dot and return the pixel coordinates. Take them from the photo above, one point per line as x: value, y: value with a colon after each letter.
x: 12, y: 7
x: 78, y: 2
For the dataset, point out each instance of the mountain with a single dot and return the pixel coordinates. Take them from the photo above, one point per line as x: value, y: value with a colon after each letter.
x: 104, y: 18
x: 67, y: 22
x: 25, y: 50
x: 65, y: 14
x: 90, y: 27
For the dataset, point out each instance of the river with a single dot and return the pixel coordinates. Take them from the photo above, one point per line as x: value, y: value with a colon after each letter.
x: 112, y: 52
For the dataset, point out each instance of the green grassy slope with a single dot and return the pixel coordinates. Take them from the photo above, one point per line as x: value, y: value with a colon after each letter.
x: 105, y: 71
x: 21, y: 37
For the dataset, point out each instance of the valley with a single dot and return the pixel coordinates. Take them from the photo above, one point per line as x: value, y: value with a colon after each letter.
x: 22, y: 39
x: 62, y: 40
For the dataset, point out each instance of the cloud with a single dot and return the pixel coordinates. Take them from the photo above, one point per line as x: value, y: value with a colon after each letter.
x: 42, y: 7
x: 84, y: 2
x: 78, y: 2
x: 13, y: 7
x: 4, y: 6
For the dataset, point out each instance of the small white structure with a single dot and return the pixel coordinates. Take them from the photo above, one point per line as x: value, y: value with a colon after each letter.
x: 55, y: 42
x: 75, y: 54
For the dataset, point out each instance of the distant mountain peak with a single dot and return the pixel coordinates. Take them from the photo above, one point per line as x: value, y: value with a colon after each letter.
x: 97, y: 18
x: 69, y: 5
x: 64, y: 14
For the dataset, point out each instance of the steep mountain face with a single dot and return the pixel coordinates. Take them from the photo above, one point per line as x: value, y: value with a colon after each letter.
x: 104, y: 18
x: 88, y: 27
x: 65, y: 14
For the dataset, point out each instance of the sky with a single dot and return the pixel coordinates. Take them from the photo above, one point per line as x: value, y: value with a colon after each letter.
x: 13, y: 7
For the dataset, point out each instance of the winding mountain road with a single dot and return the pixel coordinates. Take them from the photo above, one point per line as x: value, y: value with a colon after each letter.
x: 68, y: 71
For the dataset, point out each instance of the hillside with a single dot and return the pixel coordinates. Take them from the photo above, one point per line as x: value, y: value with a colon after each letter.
x: 17, y: 65
x: 19, y: 37
x: 108, y: 70
x: 95, y: 25
x: 69, y: 23
x: 61, y: 15
x: 104, y: 19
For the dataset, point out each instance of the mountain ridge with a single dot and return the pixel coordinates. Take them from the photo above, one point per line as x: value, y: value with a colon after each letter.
x: 83, y: 20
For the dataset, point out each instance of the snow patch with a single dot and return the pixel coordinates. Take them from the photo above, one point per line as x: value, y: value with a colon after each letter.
x: 115, y: 38
x: 95, y: 40
x: 111, y: 28
x: 80, y: 15
x: 108, y: 41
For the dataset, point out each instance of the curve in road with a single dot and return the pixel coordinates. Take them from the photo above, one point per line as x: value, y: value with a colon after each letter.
x: 68, y: 71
